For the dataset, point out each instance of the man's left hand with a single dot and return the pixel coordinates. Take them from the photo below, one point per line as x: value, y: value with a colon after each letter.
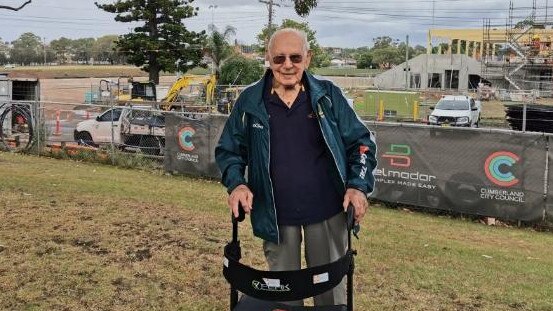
x: 359, y: 201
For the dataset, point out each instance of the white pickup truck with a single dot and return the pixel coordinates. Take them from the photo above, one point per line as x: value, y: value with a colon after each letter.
x: 125, y: 127
x: 456, y: 111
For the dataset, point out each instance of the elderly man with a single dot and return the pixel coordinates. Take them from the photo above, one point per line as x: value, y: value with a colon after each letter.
x: 308, y: 157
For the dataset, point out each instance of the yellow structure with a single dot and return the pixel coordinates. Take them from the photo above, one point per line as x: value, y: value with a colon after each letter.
x: 476, y: 42
x: 204, y: 88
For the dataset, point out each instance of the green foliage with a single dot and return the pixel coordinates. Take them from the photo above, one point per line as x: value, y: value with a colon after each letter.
x: 383, y: 42
x: 218, y: 47
x: 105, y: 49
x: 161, y: 39
x: 387, y: 56
x: 239, y: 70
x: 364, y: 60
x: 27, y: 49
x: 387, y: 52
x: 101, y: 49
x: 303, y: 7
x: 318, y: 55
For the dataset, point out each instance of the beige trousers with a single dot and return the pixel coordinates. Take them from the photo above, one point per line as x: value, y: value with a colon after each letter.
x: 325, y: 242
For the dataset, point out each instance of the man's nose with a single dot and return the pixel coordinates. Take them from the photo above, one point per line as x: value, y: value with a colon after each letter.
x: 288, y: 63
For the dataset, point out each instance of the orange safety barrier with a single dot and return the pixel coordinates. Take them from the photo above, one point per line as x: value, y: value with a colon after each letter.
x: 57, y: 132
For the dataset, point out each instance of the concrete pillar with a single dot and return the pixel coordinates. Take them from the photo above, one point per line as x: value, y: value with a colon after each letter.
x: 458, y: 46
x: 467, y: 47
x: 429, y: 43
x: 449, y: 46
x: 493, y: 51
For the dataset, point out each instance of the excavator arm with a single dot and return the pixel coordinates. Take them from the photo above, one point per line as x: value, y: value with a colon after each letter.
x: 208, y: 82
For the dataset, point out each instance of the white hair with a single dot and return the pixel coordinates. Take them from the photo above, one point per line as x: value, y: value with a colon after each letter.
x: 301, y: 34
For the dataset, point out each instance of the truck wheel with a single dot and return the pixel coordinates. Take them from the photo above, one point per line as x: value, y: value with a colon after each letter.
x: 150, y: 145
x: 84, y: 139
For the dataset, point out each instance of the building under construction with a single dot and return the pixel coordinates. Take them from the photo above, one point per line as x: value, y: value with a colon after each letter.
x: 516, y: 55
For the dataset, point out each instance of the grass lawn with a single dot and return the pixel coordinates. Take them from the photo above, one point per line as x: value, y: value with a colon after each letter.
x: 346, y: 72
x: 80, y: 236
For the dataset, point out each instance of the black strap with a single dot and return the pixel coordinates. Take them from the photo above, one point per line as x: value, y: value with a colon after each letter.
x: 285, y: 285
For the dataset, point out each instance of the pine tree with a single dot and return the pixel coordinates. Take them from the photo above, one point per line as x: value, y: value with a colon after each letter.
x: 162, y: 39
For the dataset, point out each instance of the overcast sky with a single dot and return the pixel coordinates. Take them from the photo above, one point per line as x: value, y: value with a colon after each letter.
x: 348, y: 23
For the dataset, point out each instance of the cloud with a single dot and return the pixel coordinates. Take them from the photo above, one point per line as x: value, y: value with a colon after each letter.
x: 339, y: 23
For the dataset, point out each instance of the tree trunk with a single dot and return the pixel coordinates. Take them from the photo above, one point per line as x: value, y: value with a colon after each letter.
x: 154, y: 69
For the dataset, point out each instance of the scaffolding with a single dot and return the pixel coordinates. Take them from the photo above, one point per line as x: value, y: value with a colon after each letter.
x: 522, y: 59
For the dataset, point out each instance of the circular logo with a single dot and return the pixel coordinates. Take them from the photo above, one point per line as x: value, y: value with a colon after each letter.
x: 185, y: 138
x: 497, y: 168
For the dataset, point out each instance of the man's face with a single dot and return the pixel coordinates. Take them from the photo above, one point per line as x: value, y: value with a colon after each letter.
x: 284, y: 58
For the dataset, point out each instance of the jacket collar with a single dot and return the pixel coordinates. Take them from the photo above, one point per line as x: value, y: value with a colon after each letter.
x: 254, y: 95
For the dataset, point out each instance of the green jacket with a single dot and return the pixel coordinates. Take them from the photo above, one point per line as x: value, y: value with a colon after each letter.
x: 245, y: 142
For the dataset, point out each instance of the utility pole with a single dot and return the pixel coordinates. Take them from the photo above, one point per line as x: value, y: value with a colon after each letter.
x: 270, y: 5
x: 546, y: 9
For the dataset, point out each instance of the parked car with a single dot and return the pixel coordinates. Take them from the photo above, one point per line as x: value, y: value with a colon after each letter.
x: 456, y: 111
x: 124, y: 127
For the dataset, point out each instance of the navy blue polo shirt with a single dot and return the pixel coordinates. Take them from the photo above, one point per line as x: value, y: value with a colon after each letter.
x: 300, y: 163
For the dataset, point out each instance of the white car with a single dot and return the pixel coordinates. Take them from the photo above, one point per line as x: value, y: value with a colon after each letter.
x: 456, y: 111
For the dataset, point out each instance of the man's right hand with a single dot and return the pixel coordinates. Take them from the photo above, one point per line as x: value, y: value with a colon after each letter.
x: 242, y: 195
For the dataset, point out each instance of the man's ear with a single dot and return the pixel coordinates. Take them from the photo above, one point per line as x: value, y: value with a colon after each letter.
x: 267, y: 63
x: 308, y: 59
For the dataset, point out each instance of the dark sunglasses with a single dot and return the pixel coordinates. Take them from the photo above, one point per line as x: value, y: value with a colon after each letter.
x: 294, y: 58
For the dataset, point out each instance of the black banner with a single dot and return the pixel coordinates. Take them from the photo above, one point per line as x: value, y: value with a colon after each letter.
x: 499, y: 174
x: 549, y: 199
x: 490, y: 173
x: 190, y: 145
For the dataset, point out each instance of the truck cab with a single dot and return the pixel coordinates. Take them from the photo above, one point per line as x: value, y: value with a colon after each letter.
x: 98, y: 131
x: 125, y: 127
x: 461, y: 111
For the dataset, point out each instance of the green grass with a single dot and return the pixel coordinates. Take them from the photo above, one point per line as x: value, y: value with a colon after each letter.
x: 346, y: 72
x: 81, y: 236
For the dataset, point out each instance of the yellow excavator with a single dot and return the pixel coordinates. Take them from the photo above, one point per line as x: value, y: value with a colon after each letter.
x: 191, y: 93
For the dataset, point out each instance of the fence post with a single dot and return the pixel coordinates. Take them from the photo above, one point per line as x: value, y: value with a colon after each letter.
x: 381, y: 110
x: 112, y: 145
x: 415, y: 111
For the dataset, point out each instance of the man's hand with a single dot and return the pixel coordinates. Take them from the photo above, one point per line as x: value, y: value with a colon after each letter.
x: 359, y: 201
x: 243, y: 195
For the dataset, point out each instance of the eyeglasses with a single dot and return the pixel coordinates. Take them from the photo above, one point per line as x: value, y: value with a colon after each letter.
x: 294, y: 58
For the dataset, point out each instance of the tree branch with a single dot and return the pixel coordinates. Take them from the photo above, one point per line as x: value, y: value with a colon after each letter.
x: 5, y: 7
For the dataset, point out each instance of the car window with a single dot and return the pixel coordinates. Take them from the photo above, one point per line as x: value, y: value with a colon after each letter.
x: 449, y: 104
x: 472, y: 104
x: 113, y: 114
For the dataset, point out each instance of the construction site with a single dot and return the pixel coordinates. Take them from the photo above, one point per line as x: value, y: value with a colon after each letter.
x: 516, y: 55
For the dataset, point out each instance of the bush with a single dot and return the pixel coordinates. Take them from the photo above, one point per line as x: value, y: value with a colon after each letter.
x: 239, y: 70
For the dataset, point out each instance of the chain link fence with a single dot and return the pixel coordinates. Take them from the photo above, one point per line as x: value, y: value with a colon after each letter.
x: 127, y: 136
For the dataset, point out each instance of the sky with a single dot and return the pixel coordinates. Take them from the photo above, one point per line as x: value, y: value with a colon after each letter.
x: 348, y: 23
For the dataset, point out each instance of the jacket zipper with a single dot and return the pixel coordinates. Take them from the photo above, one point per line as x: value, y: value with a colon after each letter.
x: 328, y: 145
x: 271, y: 183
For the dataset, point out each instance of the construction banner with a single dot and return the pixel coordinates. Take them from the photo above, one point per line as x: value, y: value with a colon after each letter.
x: 549, y: 197
x: 498, y: 174
x: 190, y: 145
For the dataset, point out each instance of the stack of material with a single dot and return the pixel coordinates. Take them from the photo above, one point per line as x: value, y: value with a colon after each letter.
x: 539, y: 118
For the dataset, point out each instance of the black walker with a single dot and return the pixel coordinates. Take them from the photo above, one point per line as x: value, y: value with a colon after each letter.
x: 262, y: 289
